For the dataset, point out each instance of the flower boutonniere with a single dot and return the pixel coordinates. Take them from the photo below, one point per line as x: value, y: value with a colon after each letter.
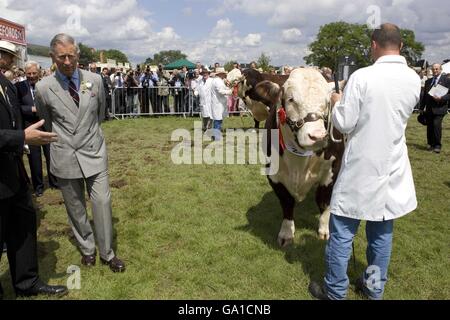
x: 87, y: 86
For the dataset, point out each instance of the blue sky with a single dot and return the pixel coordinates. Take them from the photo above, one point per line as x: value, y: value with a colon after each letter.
x: 222, y: 30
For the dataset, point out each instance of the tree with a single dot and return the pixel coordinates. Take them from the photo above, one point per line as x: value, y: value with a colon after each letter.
x: 229, y: 65
x: 412, y: 50
x: 87, y: 54
x: 117, y: 55
x: 165, y: 57
x: 338, y: 39
x: 264, y: 62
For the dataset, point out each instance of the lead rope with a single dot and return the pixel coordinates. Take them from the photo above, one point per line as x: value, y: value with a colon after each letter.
x: 330, y: 126
x: 330, y: 129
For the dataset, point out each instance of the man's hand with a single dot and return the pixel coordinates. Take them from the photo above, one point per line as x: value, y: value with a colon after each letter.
x: 437, y: 99
x: 36, y: 137
x: 335, y: 97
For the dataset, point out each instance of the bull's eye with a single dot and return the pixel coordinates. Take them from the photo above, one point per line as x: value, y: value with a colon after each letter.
x: 291, y: 100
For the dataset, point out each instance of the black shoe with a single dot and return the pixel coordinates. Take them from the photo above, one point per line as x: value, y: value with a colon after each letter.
x: 318, y: 291
x: 437, y: 150
x: 42, y: 288
x: 89, y: 260
x: 115, y: 264
x: 361, y: 289
x: 39, y: 192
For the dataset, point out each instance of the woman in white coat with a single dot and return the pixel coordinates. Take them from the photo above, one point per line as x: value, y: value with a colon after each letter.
x: 219, y: 93
x: 204, y: 92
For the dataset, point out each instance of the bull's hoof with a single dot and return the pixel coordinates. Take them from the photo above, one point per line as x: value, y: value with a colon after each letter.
x: 283, y: 243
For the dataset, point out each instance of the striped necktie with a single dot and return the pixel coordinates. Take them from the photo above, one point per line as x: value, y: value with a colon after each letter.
x: 435, y: 82
x: 74, y: 92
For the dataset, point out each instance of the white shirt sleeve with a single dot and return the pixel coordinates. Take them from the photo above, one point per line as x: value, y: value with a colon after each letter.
x: 221, y: 88
x: 346, y: 112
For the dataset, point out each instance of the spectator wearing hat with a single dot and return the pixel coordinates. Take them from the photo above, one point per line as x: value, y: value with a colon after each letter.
x: 204, y: 89
x: 219, y: 93
x: 17, y: 213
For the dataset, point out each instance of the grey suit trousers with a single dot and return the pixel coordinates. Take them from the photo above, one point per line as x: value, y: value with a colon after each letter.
x: 73, y: 191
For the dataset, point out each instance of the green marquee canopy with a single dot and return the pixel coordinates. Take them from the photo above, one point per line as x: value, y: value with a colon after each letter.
x: 180, y: 64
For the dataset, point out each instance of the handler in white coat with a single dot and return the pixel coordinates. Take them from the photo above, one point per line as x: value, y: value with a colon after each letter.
x: 375, y: 183
x: 204, y: 91
x: 219, y: 108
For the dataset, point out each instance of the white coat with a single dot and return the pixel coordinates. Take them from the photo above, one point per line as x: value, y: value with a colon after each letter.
x: 219, y: 101
x: 204, y: 91
x: 376, y: 182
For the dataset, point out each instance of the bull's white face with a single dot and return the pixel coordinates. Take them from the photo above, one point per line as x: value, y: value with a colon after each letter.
x: 306, y: 92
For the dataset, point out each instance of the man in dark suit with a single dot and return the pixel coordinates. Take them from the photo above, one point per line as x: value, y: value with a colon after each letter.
x: 26, y: 94
x: 17, y: 214
x: 435, y: 108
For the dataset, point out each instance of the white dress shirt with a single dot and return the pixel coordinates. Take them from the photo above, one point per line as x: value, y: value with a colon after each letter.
x: 375, y: 182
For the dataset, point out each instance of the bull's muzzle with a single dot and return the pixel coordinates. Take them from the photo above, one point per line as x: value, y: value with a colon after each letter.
x: 318, y: 135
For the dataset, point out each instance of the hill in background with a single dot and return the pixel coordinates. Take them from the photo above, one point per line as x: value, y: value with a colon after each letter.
x: 37, y: 50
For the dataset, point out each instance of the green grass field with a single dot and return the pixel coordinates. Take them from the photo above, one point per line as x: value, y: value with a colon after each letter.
x: 209, y: 232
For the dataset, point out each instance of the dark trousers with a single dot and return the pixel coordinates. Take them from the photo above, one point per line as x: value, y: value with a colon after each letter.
x: 434, y: 129
x: 108, y: 106
x: 163, y: 104
x: 178, y: 102
x: 145, y: 100
x: 35, y: 160
x: 18, y: 231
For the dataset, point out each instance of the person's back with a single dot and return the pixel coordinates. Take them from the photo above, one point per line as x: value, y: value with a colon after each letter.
x: 375, y: 183
x: 387, y: 93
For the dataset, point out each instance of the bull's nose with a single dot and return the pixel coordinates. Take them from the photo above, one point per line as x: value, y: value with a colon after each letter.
x: 318, y: 135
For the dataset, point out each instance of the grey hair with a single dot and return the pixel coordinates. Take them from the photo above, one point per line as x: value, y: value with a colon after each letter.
x: 30, y: 64
x: 63, y: 38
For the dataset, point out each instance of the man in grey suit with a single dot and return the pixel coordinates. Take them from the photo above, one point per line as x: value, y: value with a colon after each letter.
x: 72, y: 102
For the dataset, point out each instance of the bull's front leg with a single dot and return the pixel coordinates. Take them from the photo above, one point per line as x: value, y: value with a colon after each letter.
x: 323, y: 199
x: 287, y: 232
x: 324, y: 222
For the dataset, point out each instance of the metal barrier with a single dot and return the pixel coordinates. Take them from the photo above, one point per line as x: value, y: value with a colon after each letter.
x: 160, y: 101
x: 153, y: 101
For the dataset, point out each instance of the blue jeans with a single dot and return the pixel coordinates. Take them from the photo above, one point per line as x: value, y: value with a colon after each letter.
x: 338, y: 251
x: 217, y: 126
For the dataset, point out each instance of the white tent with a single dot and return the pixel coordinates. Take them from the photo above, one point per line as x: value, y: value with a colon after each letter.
x: 446, y: 67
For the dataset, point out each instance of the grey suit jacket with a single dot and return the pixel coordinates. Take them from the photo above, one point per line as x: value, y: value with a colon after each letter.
x: 81, y: 149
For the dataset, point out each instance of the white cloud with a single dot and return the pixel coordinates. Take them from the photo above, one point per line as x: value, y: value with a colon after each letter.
x: 280, y: 28
x: 167, y: 34
x: 428, y: 19
x: 253, y: 40
x: 292, y: 35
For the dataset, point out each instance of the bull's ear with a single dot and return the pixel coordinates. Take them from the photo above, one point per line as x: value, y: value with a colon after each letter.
x: 269, y: 91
